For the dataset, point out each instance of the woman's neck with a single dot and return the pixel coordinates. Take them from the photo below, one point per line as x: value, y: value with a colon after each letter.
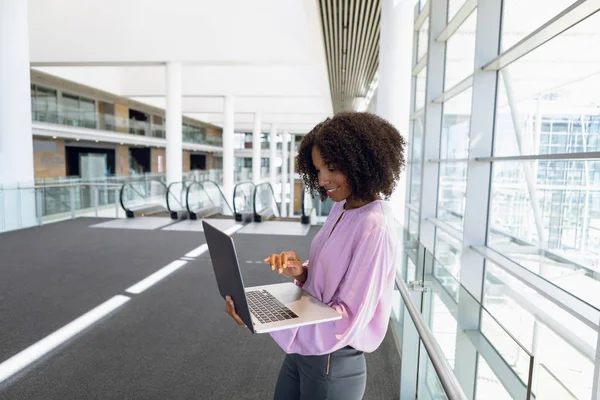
x: 352, y: 203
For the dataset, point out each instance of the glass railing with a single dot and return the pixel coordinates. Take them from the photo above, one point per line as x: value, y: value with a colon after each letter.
x: 24, y: 206
x: 514, y: 343
x: 63, y: 115
x: 176, y: 198
x: 205, y: 199
x: 143, y: 197
x: 243, y: 200
x: 265, y: 204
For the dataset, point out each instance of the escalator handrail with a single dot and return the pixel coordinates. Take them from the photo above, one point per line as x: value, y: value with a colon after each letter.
x: 129, y: 183
x: 235, y: 190
x: 169, y: 192
x: 303, y: 201
x: 220, y: 191
x: 272, y: 192
x: 187, y: 196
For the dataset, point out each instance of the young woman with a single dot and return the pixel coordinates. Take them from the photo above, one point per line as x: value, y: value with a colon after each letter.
x: 354, y: 158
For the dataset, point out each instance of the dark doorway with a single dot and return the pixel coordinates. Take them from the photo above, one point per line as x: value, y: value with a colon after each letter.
x: 140, y: 160
x: 76, y: 155
x: 197, y: 161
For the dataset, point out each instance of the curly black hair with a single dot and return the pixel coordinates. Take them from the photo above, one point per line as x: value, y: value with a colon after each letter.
x: 367, y: 149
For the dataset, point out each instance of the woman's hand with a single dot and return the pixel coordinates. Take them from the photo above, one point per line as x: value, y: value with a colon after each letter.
x: 230, y: 309
x: 286, y: 263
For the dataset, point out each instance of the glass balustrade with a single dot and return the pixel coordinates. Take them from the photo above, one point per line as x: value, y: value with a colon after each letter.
x: 62, y: 114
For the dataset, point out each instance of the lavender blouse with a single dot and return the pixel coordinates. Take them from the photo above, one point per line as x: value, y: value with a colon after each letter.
x: 352, y: 271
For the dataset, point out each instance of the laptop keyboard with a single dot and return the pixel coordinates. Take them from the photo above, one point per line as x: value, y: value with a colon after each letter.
x: 267, y: 308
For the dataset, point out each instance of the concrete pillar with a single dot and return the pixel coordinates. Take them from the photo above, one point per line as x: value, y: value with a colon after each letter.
x: 284, y: 173
x: 174, y: 123
x: 228, y: 153
x: 394, y: 90
x: 17, y: 206
x: 16, y: 140
x: 256, y: 150
x: 273, y: 156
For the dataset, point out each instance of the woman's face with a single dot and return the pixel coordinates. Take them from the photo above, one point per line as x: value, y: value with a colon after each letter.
x: 331, y: 179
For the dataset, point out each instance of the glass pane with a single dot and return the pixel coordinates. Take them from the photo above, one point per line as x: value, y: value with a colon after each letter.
x: 460, y: 52
x: 429, y: 385
x: 420, y: 89
x: 547, y: 100
x: 456, y: 124
x: 443, y: 326
x: 416, y: 157
x: 45, y: 105
x: 521, y: 18
x: 564, y: 216
x: 452, y: 191
x: 488, y: 384
x: 413, y: 225
x: 448, y: 252
x: 423, y: 40
x: 453, y: 7
x: 549, y: 387
x: 541, y: 325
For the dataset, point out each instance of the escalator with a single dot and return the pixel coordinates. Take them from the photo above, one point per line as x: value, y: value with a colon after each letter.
x: 144, y: 198
x: 243, y: 202
x: 176, y: 199
x: 265, y: 205
x: 206, y: 199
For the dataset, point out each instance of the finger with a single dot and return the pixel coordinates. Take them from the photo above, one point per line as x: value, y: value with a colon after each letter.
x: 238, y: 319
x: 292, y: 255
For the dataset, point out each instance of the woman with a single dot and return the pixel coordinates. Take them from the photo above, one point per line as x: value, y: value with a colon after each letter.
x: 354, y: 158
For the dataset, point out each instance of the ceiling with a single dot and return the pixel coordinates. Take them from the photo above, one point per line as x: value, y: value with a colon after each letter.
x: 351, y: 36
x: 268, y: 54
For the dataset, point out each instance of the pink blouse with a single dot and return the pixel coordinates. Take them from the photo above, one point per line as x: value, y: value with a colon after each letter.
x: 352, y: 271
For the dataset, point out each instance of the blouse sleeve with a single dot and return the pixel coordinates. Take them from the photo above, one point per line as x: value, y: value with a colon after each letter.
x: 368, y: 278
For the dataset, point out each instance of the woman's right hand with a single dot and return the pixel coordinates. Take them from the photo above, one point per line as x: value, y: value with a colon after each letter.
x: 230, y: 309
x: 287, y: 263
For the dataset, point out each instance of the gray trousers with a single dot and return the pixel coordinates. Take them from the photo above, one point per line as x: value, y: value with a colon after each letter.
x: 341, y: 375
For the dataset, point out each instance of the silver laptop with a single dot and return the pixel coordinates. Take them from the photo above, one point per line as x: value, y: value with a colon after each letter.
x: 262, y: 308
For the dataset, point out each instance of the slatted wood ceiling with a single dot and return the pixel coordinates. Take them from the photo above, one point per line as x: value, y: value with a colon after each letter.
x: 351, y: 35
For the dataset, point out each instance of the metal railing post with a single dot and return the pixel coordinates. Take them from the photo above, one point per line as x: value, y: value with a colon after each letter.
x: 2, y: 211
x: 72, y: 200
x: 38, y: 205
x: 116, y: 203
x: 19, y: 216
x: 95, y: 200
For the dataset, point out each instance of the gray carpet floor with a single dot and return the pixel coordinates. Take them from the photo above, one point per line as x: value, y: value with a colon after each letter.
x: 173, y: 341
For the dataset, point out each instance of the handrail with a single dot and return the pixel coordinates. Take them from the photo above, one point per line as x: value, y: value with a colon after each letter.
x: 444, y: 372
x: 59, y: 185
x: 235, y: 191
x: 256, y: 191
x: 220, y: 191
x: 187, y: 196
x: 169, y: 192
x: 128, y: 183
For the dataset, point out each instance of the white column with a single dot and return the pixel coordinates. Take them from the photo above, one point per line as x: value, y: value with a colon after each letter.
x: 273, y: 156
x: 228, y: 154
x: 16, y: 140
x: 292, y: 171
x: 284, y: 172
x: 394, y: 90
x: 174, y: 123
x: 17, y: 207
x: 256, y: 150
